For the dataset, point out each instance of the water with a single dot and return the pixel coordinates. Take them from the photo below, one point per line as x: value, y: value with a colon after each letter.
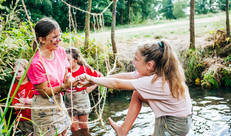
x: 211, y: 114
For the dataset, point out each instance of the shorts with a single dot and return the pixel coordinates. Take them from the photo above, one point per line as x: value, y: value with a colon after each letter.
x: 49, y: 116
x: 26, y: 127
x: 172, y: 126
x: 80, y: 101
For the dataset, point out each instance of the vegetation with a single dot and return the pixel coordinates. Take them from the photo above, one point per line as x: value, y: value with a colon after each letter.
x: 128, y: 11
x: 209, y: 67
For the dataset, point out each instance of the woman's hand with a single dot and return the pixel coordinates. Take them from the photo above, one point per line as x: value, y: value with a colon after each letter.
x: 69, y: 81
x: 84, y: 80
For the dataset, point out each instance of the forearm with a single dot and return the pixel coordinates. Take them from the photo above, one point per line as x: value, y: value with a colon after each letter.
x: 50, y: 91
x: 113, y: 83
x: 127, y: 75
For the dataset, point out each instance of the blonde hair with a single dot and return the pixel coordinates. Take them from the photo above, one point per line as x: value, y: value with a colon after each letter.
x: 22, y: 62
x: 166, y: 66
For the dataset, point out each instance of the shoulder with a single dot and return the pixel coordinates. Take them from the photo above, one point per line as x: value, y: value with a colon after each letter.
x: 61, y: 50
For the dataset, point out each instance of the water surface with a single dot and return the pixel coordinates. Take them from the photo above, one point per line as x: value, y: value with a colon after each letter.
x: 211, y: 114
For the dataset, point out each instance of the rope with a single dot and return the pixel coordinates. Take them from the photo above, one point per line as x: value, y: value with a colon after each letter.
x: 87, y: 11
x: 101, y: 97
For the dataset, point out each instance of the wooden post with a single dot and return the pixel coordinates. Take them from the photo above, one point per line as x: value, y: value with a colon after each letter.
x: 87, y: 25
x: 192, y: 32
x: 113, y: 27
x: 227, y: 18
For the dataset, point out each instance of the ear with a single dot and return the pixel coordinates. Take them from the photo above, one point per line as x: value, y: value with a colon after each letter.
x: 150, y: 65
x: 41, y: 40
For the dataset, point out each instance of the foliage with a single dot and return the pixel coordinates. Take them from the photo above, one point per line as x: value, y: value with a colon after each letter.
x: 226, y: 77
x: 167, y: 9
x: 98, y: 56
x: 128, y: 11
x: 179, y: 8
x: 209, y: 80
x: 193, y: 64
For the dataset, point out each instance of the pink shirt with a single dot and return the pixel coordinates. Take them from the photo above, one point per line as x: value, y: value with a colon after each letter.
x: 55, y: 68
x: 160, y: 99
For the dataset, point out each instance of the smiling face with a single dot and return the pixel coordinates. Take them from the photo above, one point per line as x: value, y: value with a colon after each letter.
x: 51, y: 41
x: 142, y: 67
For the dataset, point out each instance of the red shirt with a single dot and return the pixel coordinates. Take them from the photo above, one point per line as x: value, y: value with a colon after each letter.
x: 80, y: 71
x: 24, y: 91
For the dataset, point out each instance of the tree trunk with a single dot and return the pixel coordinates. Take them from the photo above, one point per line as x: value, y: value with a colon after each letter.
x: 121, y: 17
x: 113, y: 27
x: 227, y: 18
x: 87, y: 25
x: 192, y: 32
x: 129, y: 13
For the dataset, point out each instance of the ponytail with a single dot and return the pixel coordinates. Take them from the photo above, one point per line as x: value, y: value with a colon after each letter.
x: 167, y: 66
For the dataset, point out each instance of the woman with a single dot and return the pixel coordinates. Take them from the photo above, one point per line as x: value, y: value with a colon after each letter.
x: 47, y: 73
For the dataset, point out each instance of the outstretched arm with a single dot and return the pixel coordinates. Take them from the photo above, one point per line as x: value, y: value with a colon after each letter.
x: 127, y: 75
x: 108, y: 82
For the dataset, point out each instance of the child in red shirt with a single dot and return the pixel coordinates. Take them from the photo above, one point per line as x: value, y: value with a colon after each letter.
x: 23, y: 98
x: 79, y: 107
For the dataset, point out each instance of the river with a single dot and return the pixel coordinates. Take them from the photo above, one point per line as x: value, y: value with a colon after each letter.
x: 211, y: 114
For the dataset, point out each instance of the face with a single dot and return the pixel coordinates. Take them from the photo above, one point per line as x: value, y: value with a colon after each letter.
x: 52, y: 40
x: 144, y: 68
x: 72, y: 61
x: 20, y: 72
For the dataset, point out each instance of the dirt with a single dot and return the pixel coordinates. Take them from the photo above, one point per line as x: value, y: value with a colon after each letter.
x: 174, y: 32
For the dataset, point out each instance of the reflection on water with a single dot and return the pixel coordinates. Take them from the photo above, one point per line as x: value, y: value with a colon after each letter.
x: 211, y: 114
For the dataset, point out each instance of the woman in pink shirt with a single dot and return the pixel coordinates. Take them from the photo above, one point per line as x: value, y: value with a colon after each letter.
x: 158, y: 81
x: 47, y: 73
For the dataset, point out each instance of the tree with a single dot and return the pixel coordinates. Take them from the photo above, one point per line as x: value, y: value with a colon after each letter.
x: 87, y: 25
x: 113, y: 27
x: 227, y: 18
x: 178, y: 10
x: 167, y: 9
x: 192, y: 32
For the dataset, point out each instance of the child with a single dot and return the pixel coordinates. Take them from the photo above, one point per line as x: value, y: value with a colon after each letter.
x: 23, y: 97
x: 79, y: 95
x: 160, y: 83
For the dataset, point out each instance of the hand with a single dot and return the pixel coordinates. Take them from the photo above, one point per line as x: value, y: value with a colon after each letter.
x: 69, y: 81
x: 84, y: 80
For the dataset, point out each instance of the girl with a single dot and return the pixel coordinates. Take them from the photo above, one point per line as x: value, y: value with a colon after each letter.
x: 23, y: 97
x: 47, y: 73
x: 160, y: 83
x: 79, y: 95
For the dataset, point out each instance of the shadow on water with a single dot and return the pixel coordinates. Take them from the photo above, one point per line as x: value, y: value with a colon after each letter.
x: 211, y: 114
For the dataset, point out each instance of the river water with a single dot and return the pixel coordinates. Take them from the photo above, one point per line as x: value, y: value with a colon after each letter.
x: 211, y: 114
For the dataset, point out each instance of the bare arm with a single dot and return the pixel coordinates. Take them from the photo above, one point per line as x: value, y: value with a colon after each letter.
x: 109, y: 82
x: 127, y: 75
x: 91, y: 88
x: 45, y: 91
